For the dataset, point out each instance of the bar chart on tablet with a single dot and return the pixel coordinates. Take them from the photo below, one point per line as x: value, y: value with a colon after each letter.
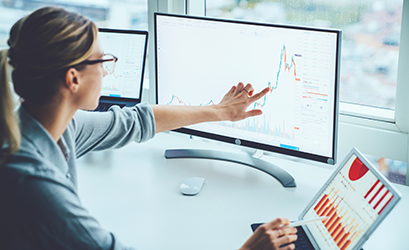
x: 343, y: 225
x: 352, y: 201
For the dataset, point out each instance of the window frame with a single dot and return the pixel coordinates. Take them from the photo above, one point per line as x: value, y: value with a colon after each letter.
x: 374, y: 131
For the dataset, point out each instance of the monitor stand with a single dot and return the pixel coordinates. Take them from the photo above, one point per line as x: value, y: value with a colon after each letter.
x: 285, y: 178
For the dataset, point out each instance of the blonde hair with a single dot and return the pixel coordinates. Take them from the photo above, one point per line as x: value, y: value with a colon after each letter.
x: 9, y: 128
x: 42, y: 47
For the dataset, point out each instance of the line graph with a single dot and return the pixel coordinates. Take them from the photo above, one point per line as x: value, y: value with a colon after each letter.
x: 125, y: 75
x: 112, y: 85
x: 113, y: 88
x: 287, y: 68
x: 283, y: 61
x: 275, y: 122
x: 175, y: 98
x: 265, y: 126
x: 199, y: 70
x: 117, y: 76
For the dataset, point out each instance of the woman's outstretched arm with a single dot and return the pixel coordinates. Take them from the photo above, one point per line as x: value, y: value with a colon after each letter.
x: 232, y: 107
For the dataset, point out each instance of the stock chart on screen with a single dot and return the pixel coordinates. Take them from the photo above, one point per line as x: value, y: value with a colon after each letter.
x: 129, y: 49
x: 199, y: 60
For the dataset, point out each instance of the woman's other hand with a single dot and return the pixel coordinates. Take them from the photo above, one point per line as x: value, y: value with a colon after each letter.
x: 272, y: 235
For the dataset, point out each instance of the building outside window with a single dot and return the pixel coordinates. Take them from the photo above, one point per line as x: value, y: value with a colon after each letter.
x: 370, y: 46
x: 122, y: 14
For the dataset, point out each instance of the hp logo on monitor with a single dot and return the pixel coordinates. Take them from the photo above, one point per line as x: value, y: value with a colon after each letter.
x: 238, y: 142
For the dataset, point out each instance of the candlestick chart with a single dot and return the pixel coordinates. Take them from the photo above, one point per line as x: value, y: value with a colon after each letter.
x: 296, y: 67
x: 287, y: 68
x: 271, y: 123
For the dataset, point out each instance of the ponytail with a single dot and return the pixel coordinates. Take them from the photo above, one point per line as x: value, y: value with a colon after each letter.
x: 43, y: 45
x: 9, y: 128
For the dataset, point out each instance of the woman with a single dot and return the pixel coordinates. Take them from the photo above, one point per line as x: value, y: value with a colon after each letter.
x: 57, y: 71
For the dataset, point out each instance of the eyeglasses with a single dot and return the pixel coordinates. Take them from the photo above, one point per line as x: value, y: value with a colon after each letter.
x: 108, y: 62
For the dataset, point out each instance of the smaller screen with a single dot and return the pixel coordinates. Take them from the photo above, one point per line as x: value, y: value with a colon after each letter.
x: 353, y: 201
x: 127, y: 78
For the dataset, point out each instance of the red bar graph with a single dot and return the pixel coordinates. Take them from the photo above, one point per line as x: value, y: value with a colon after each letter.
x: 352, y: 202
x: 371, y: 189
x: 341, y: 227
x: 378, y: 196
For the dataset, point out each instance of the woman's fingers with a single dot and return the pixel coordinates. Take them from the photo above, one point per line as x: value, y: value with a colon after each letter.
x: 249, y: 89
x: 259, y: 95
x: 232, y: 90
x: 238, y: 99
x: 286, y: 239
x: 254, y: 112
x: 272, y: 235
x: 239, y: 88
x: 288, y: 247
x: 282, y: 231
x: 277, y: 223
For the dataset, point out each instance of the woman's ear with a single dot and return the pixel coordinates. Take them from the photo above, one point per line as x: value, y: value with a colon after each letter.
x: 72, y: 80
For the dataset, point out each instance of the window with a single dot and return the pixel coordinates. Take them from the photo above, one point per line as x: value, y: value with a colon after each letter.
x: 370, y: 49
x: 123, y: 14
x: 371, y: 34
x: 371, y: 66
x: 119, y: 14
x: 394, y: 170
x: 373, y: 113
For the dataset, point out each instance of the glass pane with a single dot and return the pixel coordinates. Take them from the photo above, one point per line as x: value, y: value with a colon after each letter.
x: 370, y: 46
x: 394, y: 170
x: 124, y: 14
x: 121, y: 14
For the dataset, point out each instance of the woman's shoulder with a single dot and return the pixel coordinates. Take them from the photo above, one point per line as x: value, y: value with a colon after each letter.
x: 26, y: 164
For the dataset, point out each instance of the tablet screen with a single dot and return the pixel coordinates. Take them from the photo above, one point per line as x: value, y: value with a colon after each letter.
x: 354, y: 201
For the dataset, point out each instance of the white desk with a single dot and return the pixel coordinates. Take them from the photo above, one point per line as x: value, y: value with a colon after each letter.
x: 134, y: 193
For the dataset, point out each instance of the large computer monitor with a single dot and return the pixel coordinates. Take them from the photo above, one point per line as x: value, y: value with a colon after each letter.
x: 198, y: 59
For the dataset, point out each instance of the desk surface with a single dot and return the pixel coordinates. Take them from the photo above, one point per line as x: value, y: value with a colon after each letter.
x: 134, y: 193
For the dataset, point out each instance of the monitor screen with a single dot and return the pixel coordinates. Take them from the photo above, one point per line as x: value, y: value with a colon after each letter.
x: 198, y: 59
x: 129, y: 46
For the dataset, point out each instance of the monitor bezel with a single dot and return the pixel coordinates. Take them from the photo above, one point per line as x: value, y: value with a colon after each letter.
x: 238, y: 141
x: 137, y: 32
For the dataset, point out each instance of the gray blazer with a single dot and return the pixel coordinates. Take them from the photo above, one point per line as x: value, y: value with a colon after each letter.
x: 39, y: 203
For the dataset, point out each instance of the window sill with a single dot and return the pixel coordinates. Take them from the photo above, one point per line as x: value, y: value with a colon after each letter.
x: 368, y: 116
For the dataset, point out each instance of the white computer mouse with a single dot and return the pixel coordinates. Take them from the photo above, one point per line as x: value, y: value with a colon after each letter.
x: 191, y: 185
